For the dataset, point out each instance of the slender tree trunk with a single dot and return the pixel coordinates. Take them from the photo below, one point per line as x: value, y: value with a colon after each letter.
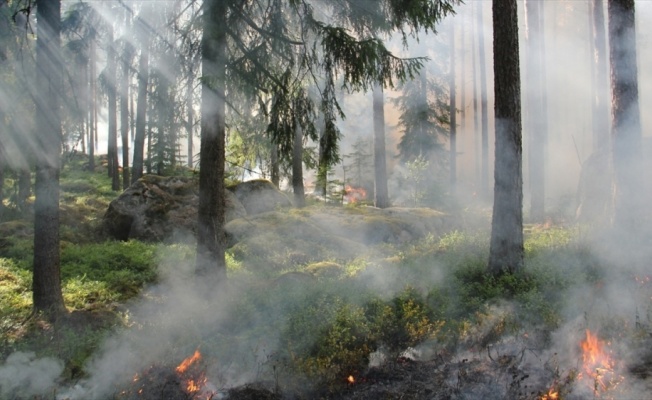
x: 453, y: 114
x: 141, y: 107
x: 381, y: 195
x: 46, y: 284
x: 211, y: 238
x: 629, y: 202
x: 463, y: 74
x: 506, y: 251
x: 112, y: 115
x: 483, y: 105
x: 92, y: 138
x: 297, y: 167
x: 322, y: 168
x: 535, y: 108
x: 162, y: 108
x: 124, y: 113
x: 190, y: 115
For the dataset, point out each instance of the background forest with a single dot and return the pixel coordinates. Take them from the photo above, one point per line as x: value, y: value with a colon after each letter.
x: 467, y: 199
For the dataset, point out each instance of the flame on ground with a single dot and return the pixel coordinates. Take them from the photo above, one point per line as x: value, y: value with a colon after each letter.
x: 551, y: 395
x: 185, y: 364
x: 598, y: 365
x: 353, y: 194
x: 351, y: 379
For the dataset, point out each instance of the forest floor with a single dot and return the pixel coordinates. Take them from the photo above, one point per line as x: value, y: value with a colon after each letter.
x: 302, y: 319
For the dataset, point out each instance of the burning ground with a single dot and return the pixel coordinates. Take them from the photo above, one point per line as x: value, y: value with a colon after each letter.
x: 317, y: 306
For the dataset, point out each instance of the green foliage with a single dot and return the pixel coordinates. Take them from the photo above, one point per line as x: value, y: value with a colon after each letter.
x: 404, y: 321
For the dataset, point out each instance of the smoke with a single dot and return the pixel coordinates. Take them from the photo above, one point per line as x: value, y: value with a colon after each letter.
x: 23, y: 375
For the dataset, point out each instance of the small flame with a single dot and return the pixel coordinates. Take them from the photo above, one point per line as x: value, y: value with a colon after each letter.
x: 185, y: 364
x: 351, y: 379
x: 353, y: 194
x: 551, y: 395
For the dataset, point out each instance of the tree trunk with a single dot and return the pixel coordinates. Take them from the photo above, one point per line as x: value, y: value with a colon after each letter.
x: 506, y: 251
x: 381, y: 196
x: 626, y: 125
x: 92, y: 143
x: 112, y: 114
x: 322, y: 168
x: 535, y: 108
x: 124, y: 113
x: 484, y: 170
x: 211, y: 238
x: 297, y: 167
x: 141, y: 106
x: 190, y: 115
x: 46, y: 284
x: 453, y: 114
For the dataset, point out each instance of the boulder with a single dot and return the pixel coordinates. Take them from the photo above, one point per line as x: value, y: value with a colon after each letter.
x: 156, y: 208
x: 260, y: 195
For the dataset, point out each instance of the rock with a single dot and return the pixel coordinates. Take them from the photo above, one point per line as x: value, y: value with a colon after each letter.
x: 157, y: 208
x: 259, y: 196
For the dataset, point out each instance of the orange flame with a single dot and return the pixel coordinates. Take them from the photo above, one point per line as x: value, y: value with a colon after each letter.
x: 185, y: 364
x: 351, y: 379
x: 594, y: 355
x: 551, y: 395
x: 353, y: 195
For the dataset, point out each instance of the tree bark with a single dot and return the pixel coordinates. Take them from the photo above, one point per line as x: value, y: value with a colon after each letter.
x: 211, y: 239
x: 506, y: 251
x: 626, y: 125
x: 46, y: 284
x: 141, y: 106
x: 381, y: 196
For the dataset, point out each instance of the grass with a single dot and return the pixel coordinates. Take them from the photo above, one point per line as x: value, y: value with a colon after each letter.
x: 323, y: 327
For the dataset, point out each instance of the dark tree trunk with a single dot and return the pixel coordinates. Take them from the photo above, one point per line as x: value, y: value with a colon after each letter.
x: 506, y: 251
x: 297, y: 168
x: 211, y: 239
x: 141, y: 107
x: 484, y: 170
x: 626, y: 126
x: 381, y: 196
x: 46, y: 284
x: 112, y: 152
x: 124, y: 113
x: 535, y: 108
x: 601, y: 123
x: 453, y: 115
